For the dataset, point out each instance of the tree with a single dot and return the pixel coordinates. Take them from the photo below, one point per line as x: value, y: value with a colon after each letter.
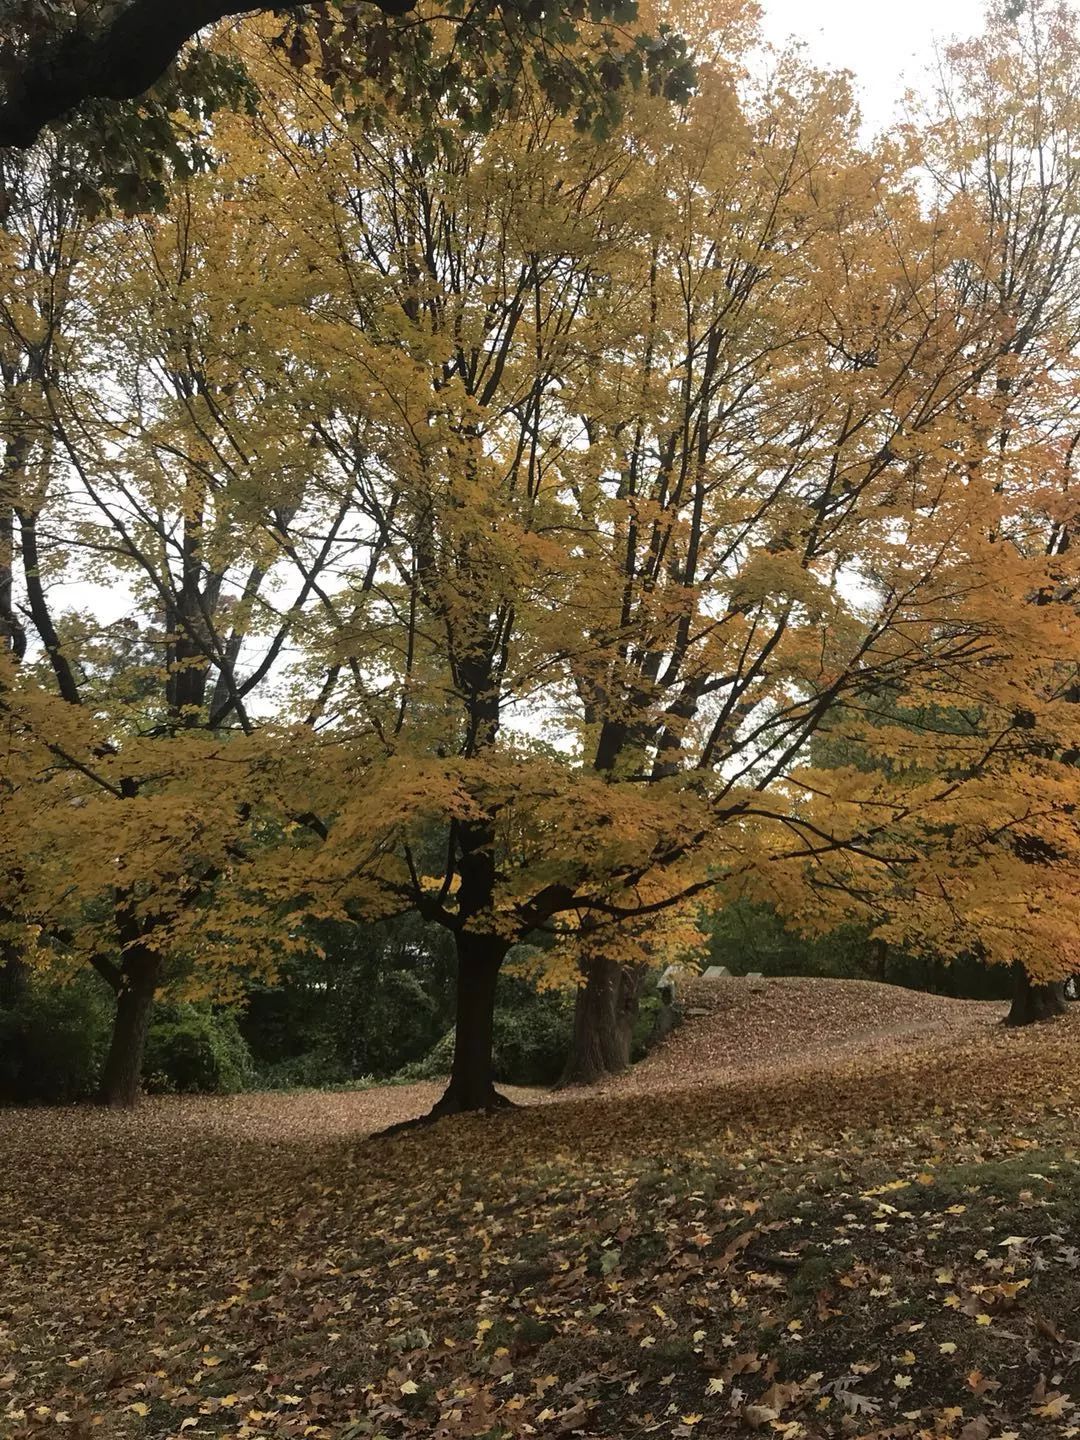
x: 119, y: 75
x: 1002, y: 140
x: 564, y: 484
x: 1027, y: 177
x: 142, y: 480
x: 668, y: 482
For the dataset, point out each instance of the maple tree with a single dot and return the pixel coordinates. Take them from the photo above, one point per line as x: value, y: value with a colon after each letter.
x: 1000, y: 137
x: 157, y: 490
x: 1026, y: 66
x: 648, y: 660
x: 516, y: 508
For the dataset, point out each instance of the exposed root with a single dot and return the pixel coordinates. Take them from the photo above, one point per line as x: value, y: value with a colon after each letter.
x: 451, y: 1104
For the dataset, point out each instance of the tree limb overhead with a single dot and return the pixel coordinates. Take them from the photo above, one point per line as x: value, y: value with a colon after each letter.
x: 116, y: 61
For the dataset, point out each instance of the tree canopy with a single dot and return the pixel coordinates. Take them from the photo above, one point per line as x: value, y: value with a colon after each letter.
x: 133, y: 83
x: 502, y: 513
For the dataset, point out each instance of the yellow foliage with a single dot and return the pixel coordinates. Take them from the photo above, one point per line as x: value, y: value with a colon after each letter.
x: 543, y: 532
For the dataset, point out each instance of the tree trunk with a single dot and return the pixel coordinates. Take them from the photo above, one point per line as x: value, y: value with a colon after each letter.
x: 14, y: 971
x: 1032, y: 1002
x: 604, y: 1015
x: 121, y: 1078
x: 14, y: 978
x: 472, y: 1085
x: 879, y: 951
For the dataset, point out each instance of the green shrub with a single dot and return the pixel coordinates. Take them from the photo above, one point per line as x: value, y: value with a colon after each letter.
x: 370, y: 999
x: 747, y: 936
x: 435, y: 1065
x: 384, y: 1021
x: 319, y: 1069
x: 194, y: 1050
x: 530, y: 1045
x: 646, y: 1024
x: 53, y: 1042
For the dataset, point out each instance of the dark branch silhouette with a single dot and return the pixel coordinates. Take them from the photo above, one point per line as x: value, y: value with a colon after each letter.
x: 117, y: 61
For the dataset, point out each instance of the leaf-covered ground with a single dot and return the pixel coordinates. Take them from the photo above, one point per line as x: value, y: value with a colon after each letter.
x: 877, y: 1241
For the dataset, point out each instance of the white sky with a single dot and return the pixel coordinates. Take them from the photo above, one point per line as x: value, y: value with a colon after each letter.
x: 887, y: 44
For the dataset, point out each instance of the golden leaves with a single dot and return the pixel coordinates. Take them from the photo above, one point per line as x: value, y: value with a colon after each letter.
x: 666, y: 512
x: 747, y: 1285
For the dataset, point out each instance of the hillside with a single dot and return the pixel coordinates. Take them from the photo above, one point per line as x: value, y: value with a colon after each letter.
x: 876, y: 1240
x: 734, y: 1027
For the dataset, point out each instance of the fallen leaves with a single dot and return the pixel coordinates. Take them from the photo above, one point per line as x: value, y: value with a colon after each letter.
x: 601, y: 1267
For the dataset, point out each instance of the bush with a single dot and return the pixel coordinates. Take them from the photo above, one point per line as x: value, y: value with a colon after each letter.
x: 53, y: 1042
x: 320, y: 1069
x: 747, y: 937
x: 383, y: 1022
x: 435, y: 1065
x: 646, y: 1026
x: 193, y: 1050
x: 530, y: 1045
x: 371, y: 999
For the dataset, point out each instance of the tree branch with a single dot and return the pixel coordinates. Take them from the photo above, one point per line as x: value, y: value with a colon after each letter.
x: 117, y: 61
x: 111, y: 973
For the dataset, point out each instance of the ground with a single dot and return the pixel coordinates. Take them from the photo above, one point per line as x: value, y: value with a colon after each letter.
x: 822, y: 1209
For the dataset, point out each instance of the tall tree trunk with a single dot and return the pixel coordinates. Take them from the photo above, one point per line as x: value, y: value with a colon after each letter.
x: 604, y: 1015
x: 1032, y: 1002
x: 480, y: 953
x: 12, y: 634
x: 879, y: 952
x: 188, y: 622
x: 472, y: 1085
x: 14, y: 977
x: 121, y: 1078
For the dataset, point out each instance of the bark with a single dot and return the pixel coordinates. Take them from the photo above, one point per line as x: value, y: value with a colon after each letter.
x: 121, y: 1078
x: 39, y: 608
x: 879, y: 953
x: 116, y: 61
x: 604, y: 1015
x: 472, y: 1084
x: 479, y: 953
x: 187, y: 620
x: 12, y: 634
x: 1032, y: 1002
x: 14, y: 978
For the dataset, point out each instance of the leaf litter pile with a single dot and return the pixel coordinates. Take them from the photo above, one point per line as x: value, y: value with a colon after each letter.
x: 874, y: 1241
x: 741, y: 1029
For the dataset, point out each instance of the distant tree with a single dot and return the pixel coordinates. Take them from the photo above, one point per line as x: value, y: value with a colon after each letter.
x: 360, y: 1000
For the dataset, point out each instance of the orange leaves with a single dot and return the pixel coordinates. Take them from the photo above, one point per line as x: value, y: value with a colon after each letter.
x: 684, y: 509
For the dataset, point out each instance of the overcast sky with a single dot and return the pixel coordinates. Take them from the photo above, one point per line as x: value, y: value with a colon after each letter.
x: 886, y: 43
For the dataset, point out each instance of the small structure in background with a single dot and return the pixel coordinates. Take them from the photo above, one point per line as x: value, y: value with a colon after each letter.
x: 670, y: 1013
x: 717, y: 972
x: 669, y: 978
